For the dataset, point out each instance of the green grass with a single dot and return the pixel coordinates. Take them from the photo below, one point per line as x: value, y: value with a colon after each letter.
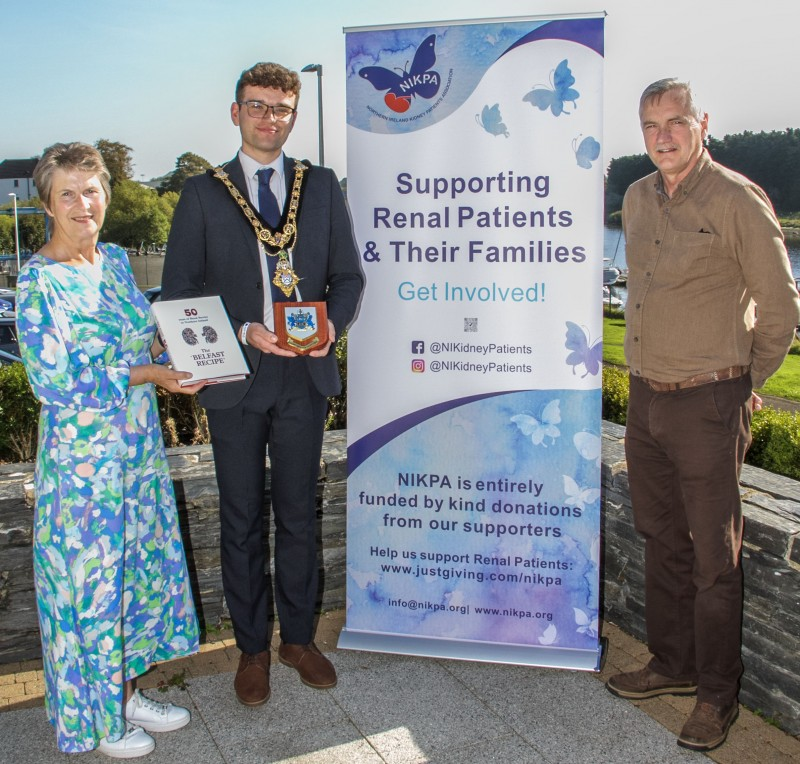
x: 613, y: 337
x: 785, y: 383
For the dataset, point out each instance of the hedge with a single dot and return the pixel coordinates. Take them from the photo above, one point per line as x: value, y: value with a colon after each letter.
x: 776, y: 434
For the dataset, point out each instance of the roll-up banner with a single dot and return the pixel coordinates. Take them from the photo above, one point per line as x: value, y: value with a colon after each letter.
x: 475, y: 183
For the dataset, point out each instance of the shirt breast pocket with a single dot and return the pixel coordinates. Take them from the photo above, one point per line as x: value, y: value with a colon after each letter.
x: 691, y: 252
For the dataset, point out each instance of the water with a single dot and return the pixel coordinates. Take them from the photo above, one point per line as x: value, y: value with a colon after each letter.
x: 614, y: 251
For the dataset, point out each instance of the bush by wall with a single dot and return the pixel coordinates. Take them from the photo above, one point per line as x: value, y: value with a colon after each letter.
x: 183, y: 419
x: 776, y: 434
x: 615, y: 394
x: 776, y: 442
x: 19, y: 415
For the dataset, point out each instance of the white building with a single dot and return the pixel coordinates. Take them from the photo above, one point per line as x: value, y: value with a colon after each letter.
x: 16, y: 177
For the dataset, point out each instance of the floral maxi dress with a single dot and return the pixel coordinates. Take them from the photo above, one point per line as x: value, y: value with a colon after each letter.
x: 112, y: 587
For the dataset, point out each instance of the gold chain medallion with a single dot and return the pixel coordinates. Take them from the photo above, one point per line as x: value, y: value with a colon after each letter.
x: 285, y: 278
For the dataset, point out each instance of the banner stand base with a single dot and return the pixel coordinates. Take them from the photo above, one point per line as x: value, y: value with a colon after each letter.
x: 464, y: 650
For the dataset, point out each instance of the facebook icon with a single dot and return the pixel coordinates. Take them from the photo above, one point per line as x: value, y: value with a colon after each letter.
x: 417, y: 347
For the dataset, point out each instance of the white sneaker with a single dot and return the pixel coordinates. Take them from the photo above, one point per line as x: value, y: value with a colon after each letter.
x: 135, y: 742
x: 154, y: 716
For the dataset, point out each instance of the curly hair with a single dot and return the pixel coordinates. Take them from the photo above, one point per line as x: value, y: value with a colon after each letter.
x: 269, y: 75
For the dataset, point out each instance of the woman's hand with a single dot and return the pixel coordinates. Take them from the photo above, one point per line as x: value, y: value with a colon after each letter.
x: 163, y: 376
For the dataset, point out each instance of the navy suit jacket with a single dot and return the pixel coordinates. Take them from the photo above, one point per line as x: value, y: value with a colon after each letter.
x: 213, y: 250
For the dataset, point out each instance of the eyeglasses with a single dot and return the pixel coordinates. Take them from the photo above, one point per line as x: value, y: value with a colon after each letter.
x: 259, y: 110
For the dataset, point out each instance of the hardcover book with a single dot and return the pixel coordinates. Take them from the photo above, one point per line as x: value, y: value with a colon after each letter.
x: 199, y: 339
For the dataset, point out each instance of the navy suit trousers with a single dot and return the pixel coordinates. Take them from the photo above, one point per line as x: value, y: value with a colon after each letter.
x: 282, y: 415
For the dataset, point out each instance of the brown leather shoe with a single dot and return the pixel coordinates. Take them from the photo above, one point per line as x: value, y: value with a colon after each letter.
x: 646, y: 683
x: 314, y: 668
x: 252, y: 679
x: 707, y: 726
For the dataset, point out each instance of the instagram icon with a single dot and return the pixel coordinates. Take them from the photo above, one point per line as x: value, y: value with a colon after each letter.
x: 418, y: 366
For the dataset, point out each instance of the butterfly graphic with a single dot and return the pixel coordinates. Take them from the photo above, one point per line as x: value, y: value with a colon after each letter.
x: 594, y: 552
x: 416, y: 81
x: 578, y: 496
x: 588, y: 445
x: 582, y: 352
x: 586, y: 152
x: 362, y: 579
x: 549, y: 635
x: 586, y: 624
x: 491, y: 121
x: 553, y: 97
x: 539, y: 430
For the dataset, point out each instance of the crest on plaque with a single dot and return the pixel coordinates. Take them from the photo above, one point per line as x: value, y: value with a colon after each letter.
x: 301, y: 326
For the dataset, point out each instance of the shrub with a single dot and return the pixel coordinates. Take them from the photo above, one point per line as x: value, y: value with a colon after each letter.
x: 19, y: 413
x: 183, y: 419
x: 337, y: 406
x: 776, y: 442
x: 776, y: 434
x: 615, y: 394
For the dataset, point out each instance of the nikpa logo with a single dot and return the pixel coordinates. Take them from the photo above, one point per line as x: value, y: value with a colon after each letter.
x: 419, y: 80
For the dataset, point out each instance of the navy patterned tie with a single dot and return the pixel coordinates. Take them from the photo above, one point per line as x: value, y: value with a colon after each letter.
x: 268, y: 207
x: 267, y: 203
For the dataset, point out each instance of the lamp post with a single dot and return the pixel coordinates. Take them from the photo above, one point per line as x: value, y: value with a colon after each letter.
x: 16, y: 229
x: 318, y: 69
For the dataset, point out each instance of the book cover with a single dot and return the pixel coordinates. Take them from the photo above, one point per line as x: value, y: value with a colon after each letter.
x: 199, y: 339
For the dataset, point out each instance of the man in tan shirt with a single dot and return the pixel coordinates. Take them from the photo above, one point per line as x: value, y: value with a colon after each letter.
x: 704, y: 248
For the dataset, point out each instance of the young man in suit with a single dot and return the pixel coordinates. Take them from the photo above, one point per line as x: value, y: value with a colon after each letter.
x: 230, y: 231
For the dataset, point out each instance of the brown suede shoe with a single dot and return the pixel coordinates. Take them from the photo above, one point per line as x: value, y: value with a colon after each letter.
x: 707, y: 726
x: 646, y: 683
x: 314, y: 668
x: 252, y: 679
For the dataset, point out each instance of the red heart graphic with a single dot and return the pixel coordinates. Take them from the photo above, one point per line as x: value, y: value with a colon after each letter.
x: 397, y: 103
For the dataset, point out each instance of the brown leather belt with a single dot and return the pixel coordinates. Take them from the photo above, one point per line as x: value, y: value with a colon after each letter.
x: 730, y: 372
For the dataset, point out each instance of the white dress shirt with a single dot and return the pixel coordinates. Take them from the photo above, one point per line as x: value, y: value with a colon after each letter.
x: 277, y: 184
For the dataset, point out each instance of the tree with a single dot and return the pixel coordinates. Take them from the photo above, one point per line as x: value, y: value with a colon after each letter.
x: 31, y: 228
x: 623, y: 171
x: 187, y: 165
x: 168, y: 201
x: 118, y: 159
x: 31, y: 232
x: 7, y: 243
x: 771, y: 160
x: 137, y: 215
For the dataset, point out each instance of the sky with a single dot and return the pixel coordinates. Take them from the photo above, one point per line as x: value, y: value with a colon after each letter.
x: 159, y: 75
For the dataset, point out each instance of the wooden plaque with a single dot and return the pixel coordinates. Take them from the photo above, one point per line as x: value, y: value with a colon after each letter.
x: 301, y: 326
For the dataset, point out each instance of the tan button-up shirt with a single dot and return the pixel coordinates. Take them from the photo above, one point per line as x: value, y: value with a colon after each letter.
x: 698, y: 265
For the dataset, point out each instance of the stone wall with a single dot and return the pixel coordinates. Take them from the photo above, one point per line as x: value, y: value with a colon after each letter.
x: 192, y: 470
x: 771, y: 561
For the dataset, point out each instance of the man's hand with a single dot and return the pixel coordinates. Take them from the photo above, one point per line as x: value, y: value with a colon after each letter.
x: 758, y: 404
x: 266, y: 341
x: 323, y: 351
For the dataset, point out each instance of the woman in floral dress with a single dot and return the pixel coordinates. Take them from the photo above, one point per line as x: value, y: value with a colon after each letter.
x: 112, y: 587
